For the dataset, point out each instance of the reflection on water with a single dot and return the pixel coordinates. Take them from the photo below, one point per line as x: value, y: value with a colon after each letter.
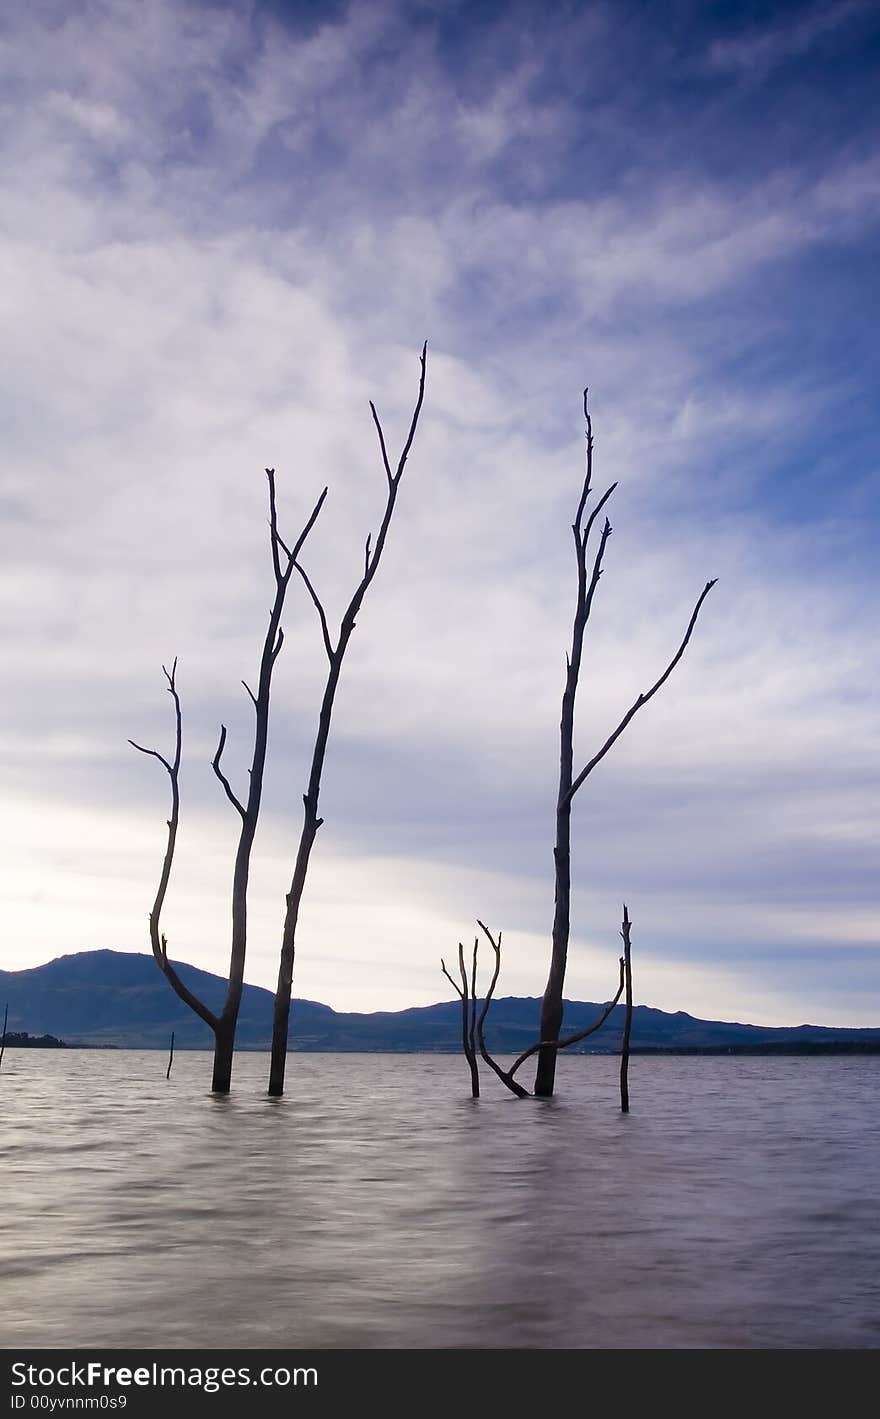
x: 378, y: 1205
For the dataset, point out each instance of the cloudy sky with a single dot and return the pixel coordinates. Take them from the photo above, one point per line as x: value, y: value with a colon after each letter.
x: 227, y: 226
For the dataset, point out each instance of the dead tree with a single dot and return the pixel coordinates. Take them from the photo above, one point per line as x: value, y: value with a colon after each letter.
x: 335, y: 656
x: 507, y: 1075
x: 224, y: 1024
x: 467, y: 992
x: 551, y: 1007
x: 627, y: 1023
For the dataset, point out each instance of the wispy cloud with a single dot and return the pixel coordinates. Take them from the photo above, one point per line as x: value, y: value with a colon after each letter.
x: 763, y: 48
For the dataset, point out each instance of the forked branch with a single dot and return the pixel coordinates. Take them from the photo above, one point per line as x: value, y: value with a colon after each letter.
x: 642, y: 700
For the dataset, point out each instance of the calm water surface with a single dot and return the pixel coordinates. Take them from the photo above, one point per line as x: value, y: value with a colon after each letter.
x: 378, y: 1205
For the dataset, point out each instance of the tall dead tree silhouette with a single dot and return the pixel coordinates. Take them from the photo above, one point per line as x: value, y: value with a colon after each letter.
x: 224, y: 1024
x: 284, y: 560
x: 569, y: 783
x: 335, y: 656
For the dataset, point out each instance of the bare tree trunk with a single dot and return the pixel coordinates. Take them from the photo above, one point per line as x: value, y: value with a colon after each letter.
x: 552, y: 1006
x: 627, y: 1025
x: 311, y: 820
x: 170, y: 1057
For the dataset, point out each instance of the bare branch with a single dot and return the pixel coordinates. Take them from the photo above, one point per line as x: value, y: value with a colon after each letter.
x: 215, y: 765
x: 468, y: 1011
x: 456, y: 988
x: 273, y: 525
x: 401, y: 463
x: 595, y: 513
x: 588, y: 477
x: 597, y: 570
x: 276, y: 649
x: 572, y: 1039
x: 367, y: 553
x: 388, y: 474
x: 251, y: 693
x: 312, y: 519
x: 154, y: 753
x: 186, y: 995
x: 642, y: 699
x: 325, y: 631
x: 395, y: 477
x: 159, y: 943
x: 462, y: 971
x: 507, y: 1075
x: 278, y: 541
x: 504, y: 1075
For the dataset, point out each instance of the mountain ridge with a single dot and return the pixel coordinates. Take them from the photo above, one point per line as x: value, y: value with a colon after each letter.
x: 107, y: 997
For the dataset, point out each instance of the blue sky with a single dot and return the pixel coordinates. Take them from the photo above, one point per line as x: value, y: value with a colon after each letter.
x: 225, y: 228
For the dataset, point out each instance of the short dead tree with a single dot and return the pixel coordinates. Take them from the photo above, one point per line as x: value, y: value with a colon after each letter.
x: 473, y: 1023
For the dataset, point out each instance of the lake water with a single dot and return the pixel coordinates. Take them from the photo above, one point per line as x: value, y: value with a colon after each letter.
x: 377, y: 1205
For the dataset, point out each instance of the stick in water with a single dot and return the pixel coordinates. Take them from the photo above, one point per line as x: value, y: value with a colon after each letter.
x: 3, y: 1041
x: 627, y: 1026
x: 170, y: 1057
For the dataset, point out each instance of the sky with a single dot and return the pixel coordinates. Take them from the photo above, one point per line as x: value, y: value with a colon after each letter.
x: 225, y: 228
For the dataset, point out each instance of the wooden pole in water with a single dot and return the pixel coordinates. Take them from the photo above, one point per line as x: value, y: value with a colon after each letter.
x: 3, y: 1041
x: 170, y: 1057
x: 627, y: 1024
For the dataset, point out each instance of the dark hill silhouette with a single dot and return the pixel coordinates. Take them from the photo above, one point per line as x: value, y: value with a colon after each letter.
x: 119, y: 998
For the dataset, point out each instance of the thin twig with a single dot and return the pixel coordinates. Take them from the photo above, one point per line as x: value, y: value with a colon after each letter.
x: 389, y: 475
x: 215, y: 765
x: 273, y: 526
x: 3, y: 1040
x: 325, y: 631
x: 456, y: 988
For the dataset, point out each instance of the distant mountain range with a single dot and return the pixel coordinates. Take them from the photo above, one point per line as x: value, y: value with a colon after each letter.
x: 118, y: 998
